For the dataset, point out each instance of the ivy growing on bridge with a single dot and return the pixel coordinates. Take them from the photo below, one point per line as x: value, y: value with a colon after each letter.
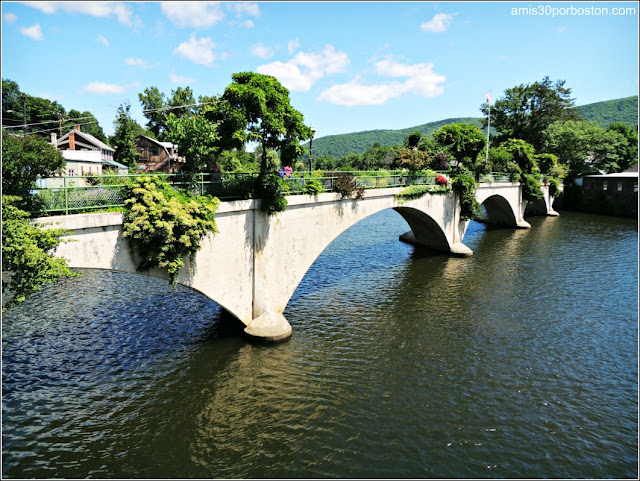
x: 465, y: 185
x: 165, y: 225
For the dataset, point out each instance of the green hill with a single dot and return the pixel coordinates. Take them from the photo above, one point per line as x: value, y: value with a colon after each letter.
x: 620, y: 110
x: 605, y: 113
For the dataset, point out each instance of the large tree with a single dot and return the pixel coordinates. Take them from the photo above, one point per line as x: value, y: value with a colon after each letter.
x: 526, y: 111
x: 153, y: 105
x: 24, y: 160
x: 627, y: 153
x: 464, y: 141
x: 585, y: 147
x: 123, y: 139
x: 256, y: 108
x: 197, y: 140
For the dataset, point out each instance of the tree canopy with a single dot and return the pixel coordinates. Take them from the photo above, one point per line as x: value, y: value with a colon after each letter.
x: 585, y: 147
x: 256, y: 108
x: 464, y: 141
x: 526, y: 111
x: 197, y: 140
x: 24, y: 160
x: 123, y: 140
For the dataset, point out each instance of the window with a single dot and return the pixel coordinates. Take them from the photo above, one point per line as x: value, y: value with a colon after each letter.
x: 604, y: 185
x: 635, y: 186
x: 153, y: 151
x: 619, y: 189
x: 71, y: 172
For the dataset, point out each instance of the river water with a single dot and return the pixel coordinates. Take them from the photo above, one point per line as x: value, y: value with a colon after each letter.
x: 520, y: 361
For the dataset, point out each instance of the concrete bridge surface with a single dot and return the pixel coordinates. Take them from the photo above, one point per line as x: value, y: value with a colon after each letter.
x: 254, y: 264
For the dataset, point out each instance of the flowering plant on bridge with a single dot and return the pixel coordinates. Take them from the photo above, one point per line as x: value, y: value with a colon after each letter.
x: 165, y: 225
x: 441, y: 180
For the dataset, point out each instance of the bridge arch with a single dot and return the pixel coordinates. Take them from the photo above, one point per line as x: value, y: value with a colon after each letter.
x: 499, y: 211
x: 503, y: 203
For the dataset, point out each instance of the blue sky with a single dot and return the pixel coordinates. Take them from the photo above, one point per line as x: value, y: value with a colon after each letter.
x: 350, y: 66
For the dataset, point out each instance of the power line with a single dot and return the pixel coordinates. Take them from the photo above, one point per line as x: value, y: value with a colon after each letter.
x: 182, y: 106
x: 47, y: 122
x: 51, y: 129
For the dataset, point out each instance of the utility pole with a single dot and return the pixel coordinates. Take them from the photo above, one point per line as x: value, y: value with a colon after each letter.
x: 24, y: 116
x: 488, y: 124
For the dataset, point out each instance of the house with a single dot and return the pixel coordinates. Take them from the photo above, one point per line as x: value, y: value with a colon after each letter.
x: 156, y: 156
x: 85, y: 154
x: 613, y: 194
x: 620, y: 183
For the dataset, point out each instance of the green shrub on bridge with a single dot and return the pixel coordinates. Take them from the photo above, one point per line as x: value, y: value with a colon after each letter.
x: 165, y: 225
x: 465, y: 185
x: 531, y: 189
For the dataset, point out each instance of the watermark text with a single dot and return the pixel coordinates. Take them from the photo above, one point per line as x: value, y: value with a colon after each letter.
x: 556, y: 11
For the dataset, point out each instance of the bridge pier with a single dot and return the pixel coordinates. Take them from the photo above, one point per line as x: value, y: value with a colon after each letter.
x: 456, y: 249
x: 269, y: 326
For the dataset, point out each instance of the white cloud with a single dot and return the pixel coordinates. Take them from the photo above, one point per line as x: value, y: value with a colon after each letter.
x: 96, y: 9
x: 293, y: 45
x: 439, y: 23
x: 179, y: 79
x: 102, y: 39
x: 303, y: 70
x: 199, y: 51
x: 10, y: 17
x: 561, y: 29
x: 137, y: 62
x: 193, y: 14
x: 420, y: 79
x: 104, y: 88
x: 34, y: 32
x: 262, y: 51
x: 245, y: 8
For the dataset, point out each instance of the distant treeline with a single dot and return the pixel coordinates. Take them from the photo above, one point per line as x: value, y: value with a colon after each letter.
x: 604, y: 113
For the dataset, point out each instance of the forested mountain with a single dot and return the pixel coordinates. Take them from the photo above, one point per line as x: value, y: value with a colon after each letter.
x: 605, y: 113
x: 620, y: 110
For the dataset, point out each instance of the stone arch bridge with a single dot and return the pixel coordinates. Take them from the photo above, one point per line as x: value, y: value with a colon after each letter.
x: 254, y: 264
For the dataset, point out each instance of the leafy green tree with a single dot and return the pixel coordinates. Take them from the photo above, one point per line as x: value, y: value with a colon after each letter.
x: 26, y: 254
x: 499, y: 158
x: 236, y: 161
x: 547, y: 163
x: 349, y: 162
x: 584, y: 147
x: 325, y: 162
x: 378, y: 157
x: 256, y: 108
x: 181, y: 97
x: 153, y: 104
x: 123, y: 140
x: 627, y: 154
x: 24, y: 160
x: 412, y: 140
x: 197, y: 140
x: 523, y: 154
x: 12, y: 103
x: 526, y: 111
x: 464, y: 141
x: 411, y: 159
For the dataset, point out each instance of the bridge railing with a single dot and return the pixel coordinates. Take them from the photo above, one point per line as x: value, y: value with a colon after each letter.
x: 72, y: 194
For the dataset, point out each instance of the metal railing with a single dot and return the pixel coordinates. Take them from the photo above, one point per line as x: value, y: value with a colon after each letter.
x: 73, y: 194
